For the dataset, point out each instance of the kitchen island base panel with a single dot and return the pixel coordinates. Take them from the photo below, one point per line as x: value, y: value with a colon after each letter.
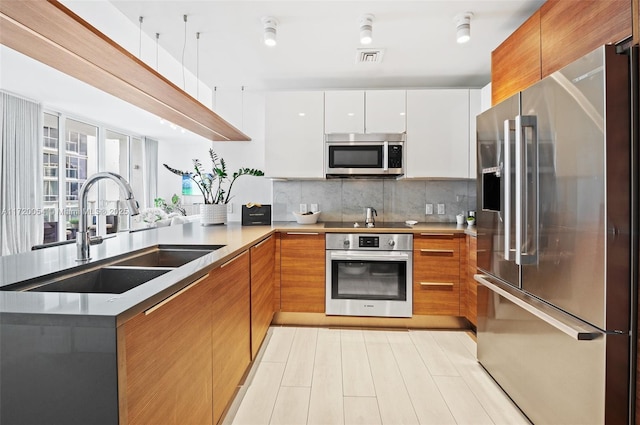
x: 415, y: 322
x: 49, y: 365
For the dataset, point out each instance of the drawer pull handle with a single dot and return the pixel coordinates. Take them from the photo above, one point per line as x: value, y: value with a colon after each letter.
x: 174, y: 296
x: 437, y: 234
x: 303, y: 233
x: 263, y: 242
x: 450, y: 284
x: 437, y: 251
x: 232, y: 260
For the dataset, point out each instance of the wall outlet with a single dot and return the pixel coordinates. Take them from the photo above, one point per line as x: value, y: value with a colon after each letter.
x: 429, y: 209
x: 314, y: 207
x: 440, y: 209
x: 229, y: 208
x: 303, y: 208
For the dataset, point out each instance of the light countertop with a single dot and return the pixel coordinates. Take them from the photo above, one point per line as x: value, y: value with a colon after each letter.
x: 115, y: 309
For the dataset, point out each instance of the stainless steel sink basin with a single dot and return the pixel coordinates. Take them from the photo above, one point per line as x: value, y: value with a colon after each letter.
x: 168, y: 255
x: 116, y: 276
x: 105, y: 280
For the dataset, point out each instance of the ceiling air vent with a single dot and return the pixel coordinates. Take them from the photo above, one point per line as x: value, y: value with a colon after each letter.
x: 369, y: 55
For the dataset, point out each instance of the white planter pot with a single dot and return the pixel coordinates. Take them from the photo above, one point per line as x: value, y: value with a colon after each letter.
x: 213, y: 214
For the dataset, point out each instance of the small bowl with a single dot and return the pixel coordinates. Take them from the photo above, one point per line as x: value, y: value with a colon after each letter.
x: 410, y: 222
x: 306, y: 218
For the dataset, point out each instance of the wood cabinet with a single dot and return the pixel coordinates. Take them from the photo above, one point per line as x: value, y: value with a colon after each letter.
x: 231, y: 330
x: 438, y: 133
x: 560, y: 32
x: 262, y: 276
x: 371, y: 111
x: 436, y: 274
x: 302, y: 272
x: 472, y: 285
x: 570, y: 29
x: 515, y: 64
x: 165, y: 360
x: 294, y: 134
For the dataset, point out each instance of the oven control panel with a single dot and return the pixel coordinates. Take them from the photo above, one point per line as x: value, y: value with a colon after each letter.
x: 369, y: 241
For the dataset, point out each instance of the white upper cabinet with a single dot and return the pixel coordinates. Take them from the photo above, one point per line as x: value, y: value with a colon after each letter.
x: 344, y: 111
x: 385, y: 111
x: 371, y: 111
x: 438, y: 133
x: 294, y: 136
x: 475, y: 108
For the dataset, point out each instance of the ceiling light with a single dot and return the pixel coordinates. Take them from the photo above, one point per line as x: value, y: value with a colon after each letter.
x: 270, y: 24
x: 366, y: 28
x: 463, y: 27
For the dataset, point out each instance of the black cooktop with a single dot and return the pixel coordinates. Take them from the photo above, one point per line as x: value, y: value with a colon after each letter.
x: 360, y: 225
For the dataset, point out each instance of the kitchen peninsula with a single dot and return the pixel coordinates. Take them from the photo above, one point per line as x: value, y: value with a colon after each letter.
x: 65, y: 355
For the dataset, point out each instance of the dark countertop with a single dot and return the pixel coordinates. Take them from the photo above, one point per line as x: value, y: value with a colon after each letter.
x: 115, y: 309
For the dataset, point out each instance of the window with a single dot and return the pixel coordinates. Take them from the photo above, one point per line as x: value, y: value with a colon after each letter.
x: 66, y: 165
x: 51, y: 163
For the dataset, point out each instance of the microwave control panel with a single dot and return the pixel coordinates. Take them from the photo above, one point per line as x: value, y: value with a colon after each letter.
x: 395, y: 156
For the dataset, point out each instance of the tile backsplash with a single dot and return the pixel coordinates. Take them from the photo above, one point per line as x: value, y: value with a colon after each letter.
x: 394, y: 200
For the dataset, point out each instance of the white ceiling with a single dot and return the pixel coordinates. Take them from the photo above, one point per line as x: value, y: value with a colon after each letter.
x: 317, y: 40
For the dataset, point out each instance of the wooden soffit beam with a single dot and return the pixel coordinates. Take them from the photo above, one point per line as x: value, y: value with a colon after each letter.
x: 49, y: 32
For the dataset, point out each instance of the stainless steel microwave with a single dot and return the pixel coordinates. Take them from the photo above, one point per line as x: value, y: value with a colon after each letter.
x: 364, y: 155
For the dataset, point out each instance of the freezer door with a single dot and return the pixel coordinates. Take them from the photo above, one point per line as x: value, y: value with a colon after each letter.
x: 573, y: 231
x: 495, y: 221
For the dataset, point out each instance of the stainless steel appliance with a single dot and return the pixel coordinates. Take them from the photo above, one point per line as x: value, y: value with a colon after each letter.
x: 364, y: 155
x: 554, y: 243
x: 369, y: 274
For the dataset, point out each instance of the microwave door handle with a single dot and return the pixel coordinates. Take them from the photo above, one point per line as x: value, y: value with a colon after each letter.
x: 385, y: 156
x: 508, y: 126
x: 526, y: 243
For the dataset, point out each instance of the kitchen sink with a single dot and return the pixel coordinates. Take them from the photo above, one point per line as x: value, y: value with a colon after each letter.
x: 168, y: 255
x: 116, y: 277
x: 104, y: 280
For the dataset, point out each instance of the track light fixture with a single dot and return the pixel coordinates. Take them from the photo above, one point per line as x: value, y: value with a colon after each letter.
x: 366, y: 28
x: 270, y: 24
x: 463, y: 27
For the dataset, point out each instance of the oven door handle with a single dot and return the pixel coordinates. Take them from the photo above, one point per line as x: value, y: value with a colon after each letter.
x: 366, y: 256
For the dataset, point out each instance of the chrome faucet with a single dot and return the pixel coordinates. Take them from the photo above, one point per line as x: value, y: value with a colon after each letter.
x: 82, y: 235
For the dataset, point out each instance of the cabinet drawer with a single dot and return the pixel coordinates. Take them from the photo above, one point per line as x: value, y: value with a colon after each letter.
x: 436, y: 276
x: 437, y: 241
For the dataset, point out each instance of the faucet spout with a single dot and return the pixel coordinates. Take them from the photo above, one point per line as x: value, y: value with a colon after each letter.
x: 82, y: 236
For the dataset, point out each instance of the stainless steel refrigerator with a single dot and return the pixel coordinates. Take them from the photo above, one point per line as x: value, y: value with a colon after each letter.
x: 554, y: 243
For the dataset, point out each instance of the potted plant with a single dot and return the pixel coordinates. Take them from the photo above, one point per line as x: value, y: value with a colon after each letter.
x: 215, y: 186
x: 173, y: 207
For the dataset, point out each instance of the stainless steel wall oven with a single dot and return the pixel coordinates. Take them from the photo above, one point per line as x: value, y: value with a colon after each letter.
x: 369, y: 274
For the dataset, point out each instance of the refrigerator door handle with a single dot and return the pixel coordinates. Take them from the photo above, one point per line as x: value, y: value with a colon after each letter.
x: 565, y: 323
x: 508, y: 127
x: 526, y: 214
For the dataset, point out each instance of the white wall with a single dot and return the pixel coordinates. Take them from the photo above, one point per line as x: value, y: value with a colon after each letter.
x: 245, y: 111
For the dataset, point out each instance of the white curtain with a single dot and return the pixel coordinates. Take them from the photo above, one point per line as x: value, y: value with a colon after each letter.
x: 21, y: 219
x: 150, y: 171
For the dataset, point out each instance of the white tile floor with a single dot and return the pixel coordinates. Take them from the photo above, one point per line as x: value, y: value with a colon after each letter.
x: 348, y: 376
